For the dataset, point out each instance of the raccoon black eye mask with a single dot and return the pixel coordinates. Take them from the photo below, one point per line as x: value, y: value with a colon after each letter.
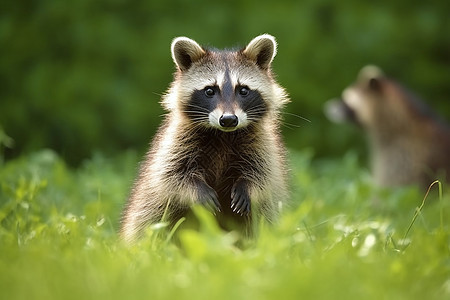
x: 219, y: 145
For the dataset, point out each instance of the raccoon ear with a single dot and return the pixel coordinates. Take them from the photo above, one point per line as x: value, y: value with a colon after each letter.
x: 185, y: 52
x: 370, y: 71
x: 262, y: 49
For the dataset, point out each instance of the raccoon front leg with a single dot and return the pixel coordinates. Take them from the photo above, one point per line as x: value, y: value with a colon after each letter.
x: 207, y: 196
x: 240, y: 198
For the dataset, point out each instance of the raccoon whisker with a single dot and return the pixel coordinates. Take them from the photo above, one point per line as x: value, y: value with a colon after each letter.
x: 198, y: 121
x: 297, y: 116
x: 198, y: 107
x: 290, y: 125
x: 255, y: 113
x: 199, y: 116
x: 257, y: 107
x: 196, y: 112
x: 253, y: 119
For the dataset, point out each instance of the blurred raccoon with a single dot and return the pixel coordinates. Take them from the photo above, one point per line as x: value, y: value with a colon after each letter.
x: 220, y: 143
x: 409, y: 144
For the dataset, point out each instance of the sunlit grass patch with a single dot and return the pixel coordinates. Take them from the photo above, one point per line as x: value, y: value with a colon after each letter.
x: 339, y: 238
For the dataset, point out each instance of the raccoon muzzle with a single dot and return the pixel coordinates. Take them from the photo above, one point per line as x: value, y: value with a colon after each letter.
x: 228, y: 120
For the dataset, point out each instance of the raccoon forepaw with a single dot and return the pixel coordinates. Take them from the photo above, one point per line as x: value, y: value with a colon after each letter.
x: 207, y: 196
x: 240, y: 199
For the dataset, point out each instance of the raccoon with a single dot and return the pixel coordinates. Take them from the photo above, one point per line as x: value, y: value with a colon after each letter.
x: 219, y: 145
x: 409, y: 143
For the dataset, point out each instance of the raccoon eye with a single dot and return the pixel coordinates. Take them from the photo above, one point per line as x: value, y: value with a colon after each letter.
x: 244, y: 91
x: 209, y: 92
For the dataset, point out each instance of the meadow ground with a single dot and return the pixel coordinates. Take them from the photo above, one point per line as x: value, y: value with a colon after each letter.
x: 340, y: 238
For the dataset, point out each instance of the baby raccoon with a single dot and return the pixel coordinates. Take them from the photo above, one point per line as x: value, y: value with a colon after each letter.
x: 409, y: 144
x: 219, y: 145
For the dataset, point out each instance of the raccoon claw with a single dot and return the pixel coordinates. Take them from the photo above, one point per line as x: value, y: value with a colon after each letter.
x: 240, y: 200
x: 208, y: 198
x: 241, y: 206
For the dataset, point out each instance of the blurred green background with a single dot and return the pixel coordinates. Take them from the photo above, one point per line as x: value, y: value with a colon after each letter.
x: 84, y: 76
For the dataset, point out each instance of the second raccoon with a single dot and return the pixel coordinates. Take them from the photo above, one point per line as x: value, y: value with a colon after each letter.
x: 408, y: 143
x: 220, y: 143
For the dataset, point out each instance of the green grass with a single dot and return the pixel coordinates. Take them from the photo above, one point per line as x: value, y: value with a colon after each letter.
x: 340, y: 238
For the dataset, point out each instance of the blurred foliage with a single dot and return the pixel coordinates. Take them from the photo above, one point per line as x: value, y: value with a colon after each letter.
x: 87, y: 75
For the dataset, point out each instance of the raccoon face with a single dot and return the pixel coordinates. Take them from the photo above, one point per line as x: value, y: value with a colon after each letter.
x: 226, y: 90
x: 361, y: 101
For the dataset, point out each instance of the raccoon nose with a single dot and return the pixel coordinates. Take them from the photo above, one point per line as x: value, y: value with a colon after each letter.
x: 228, y: 120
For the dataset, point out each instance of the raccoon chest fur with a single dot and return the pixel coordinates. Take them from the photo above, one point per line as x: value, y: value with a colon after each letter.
x: 223, y: 158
